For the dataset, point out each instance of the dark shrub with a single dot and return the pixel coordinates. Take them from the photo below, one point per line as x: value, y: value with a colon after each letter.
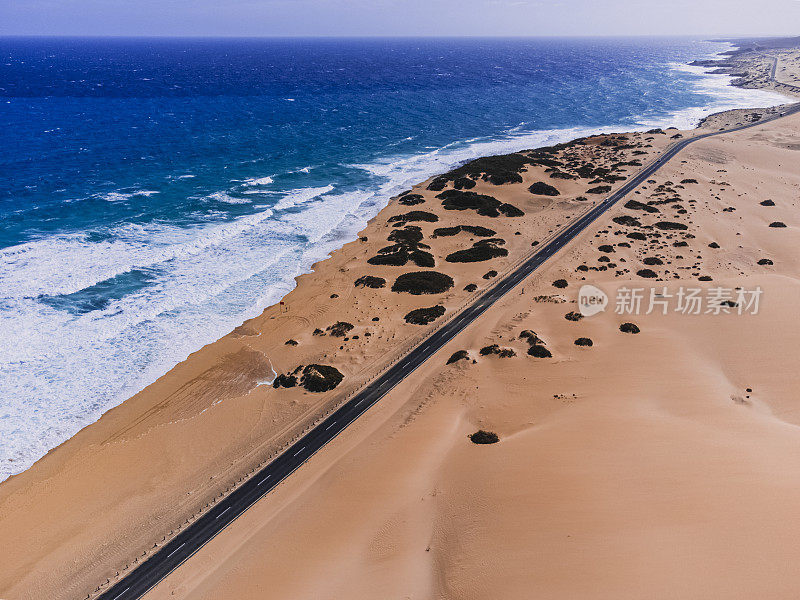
x: 320, y: 378
x: 484, y: 437
x: 411, y: 199
x: 606, y: 248
x: 456, y: 356
x: 472, y: 229
x: 671, y: 225
x: 767, y: 203
x: 490, y: 274
x: 646, y: 273
x: 318, y: 332
x: 540, y: 188
x: 539, y: 351
x: 713, y: 245
x: 463, y: 183
x: 635, y: 205
x: 423, y: 282
x: 471, y: 287
x: 497, y: 350
x: 368, y: 281
x: 410, y: 235
x: 635, y: 235
x: 290, y: 343
x: 777, y: 224
x: 600, y: 189
x: 480, y: 251
x: 652, y: 260
x: 486, y: 206
x: 284, y: 381
x: 583, y: 342
x: 627, y: 221
x: 339, y: 329
x: 629, y: 328
x: 414, y: 215
x: 573, y: 316
x: 424, y: 316
x: 685, y: 181
x: 765, y: 261
x: 560, y: 283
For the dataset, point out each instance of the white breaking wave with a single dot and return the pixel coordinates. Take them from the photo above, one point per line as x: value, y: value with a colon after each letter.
x: 202, y: 281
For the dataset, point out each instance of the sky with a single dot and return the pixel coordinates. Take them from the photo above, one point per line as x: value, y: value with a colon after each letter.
x: 266, y: 18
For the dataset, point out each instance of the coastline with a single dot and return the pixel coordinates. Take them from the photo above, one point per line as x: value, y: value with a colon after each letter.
x: 221, y: 386
x: 401, y: 171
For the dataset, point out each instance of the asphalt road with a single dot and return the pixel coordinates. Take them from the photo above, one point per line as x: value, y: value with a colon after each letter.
x: 136, y: 583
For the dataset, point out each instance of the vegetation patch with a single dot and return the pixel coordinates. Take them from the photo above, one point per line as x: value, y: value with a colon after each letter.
x: 496, y: 350
x: 415, y: 215
x: 636, y: 205
x: 480, y: 251
x: 777, y: 224
x: 424, y: 316
x: 284, y: 381
x: 409, y: 199
x: 600, y: 189
x: 540, y: 188
x: 627, y: 221
x: 339, y: 329
x: 584, y: 341
x: 484, y: 437
x: 368, y: 281
x: 320, y: 378
x: 629, y: 328
x: 671, y: 225
x: 486, y: 206
x: 423, y: 282
x: 573, y: 316
x: 457, y: 356
x: 471, y: 229
x: 560, y: 283
x: 539, y: 351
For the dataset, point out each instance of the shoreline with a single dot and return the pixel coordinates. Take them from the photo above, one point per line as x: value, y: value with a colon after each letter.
x: 349, y: 232
x: 125, y: 422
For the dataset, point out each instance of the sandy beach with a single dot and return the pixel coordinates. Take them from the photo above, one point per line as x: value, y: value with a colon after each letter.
x: 658, y: 464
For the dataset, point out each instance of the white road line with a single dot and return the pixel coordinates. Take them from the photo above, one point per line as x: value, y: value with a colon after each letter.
x: 331, y: 425
x: 122, y: 592
x: 299, y: 451
x: 223, y: 512
x: 263, y: 480
x: 176, y: 549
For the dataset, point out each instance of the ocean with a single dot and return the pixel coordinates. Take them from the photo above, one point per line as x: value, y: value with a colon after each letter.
x: 155, y: 193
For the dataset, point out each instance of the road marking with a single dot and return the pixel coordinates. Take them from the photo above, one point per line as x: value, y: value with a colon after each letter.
x: 176, y: 549
x: 331, y: 425
x: 223, y: 512
x: 263, y: 480
x: 122, y: 592
x: 299, y: 451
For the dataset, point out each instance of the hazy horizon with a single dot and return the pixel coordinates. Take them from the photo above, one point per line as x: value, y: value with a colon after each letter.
x: 396, y: 18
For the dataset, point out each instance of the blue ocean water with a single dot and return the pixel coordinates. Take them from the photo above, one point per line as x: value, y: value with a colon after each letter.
x: 155, y: 193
